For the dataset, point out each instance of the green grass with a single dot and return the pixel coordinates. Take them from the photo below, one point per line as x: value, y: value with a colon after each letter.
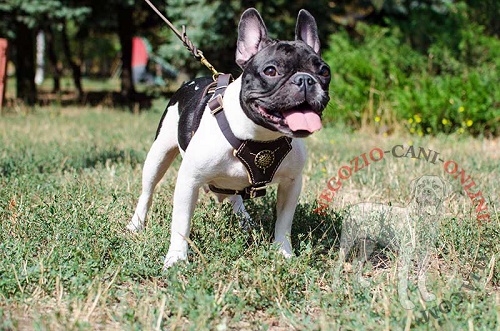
x: 69, y: 180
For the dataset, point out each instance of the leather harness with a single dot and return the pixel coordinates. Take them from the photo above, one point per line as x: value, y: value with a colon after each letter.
x: 260, y: 158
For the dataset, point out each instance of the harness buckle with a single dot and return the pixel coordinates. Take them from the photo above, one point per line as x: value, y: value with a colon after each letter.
x: 254, y: 192
x: 215, y: 104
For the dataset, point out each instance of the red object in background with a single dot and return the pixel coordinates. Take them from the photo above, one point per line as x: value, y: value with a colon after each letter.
x: 3, y: 69
x: 139, y: 52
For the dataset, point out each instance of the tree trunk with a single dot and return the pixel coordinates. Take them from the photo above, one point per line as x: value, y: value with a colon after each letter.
x: 56, y: 71
x: 125, y: 33
x: 75, y: 68
x: 25, y: 64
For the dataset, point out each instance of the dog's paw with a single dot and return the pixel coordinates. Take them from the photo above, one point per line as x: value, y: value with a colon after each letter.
x: 135, y: 226
x: 247, y: 224
x: 287, y: 254
x: 364, y: 282
x: 284, y: 248
x: 428, y: 297
x: 407, y: 304
x: 173, y: 257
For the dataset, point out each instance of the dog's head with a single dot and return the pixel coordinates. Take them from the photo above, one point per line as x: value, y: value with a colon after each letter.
x: 284, y: 83
x: 429, y: 192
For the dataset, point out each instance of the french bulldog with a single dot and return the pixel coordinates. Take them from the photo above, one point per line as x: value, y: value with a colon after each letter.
x: 281, y: 92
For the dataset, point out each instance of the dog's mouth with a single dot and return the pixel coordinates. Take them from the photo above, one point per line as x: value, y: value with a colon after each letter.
x: 301, y: 119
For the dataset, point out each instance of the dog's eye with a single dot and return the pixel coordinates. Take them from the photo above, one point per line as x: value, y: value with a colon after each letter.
x: 324, y: 71
x: 270, y: 71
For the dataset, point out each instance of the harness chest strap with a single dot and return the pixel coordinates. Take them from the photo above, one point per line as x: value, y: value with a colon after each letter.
x: 260, y: 158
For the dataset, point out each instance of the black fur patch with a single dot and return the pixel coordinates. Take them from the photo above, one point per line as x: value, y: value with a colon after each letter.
x: 191, y: 99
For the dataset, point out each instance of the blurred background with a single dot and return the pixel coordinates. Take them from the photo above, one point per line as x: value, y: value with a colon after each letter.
x: 422, y: 66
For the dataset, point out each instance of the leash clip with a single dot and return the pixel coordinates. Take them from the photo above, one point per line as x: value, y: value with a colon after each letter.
x: 207, y: 64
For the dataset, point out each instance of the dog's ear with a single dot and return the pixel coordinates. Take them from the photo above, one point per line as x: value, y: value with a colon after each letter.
x: 307, y: 30
x: 252, y: 36
x: 446, y: 187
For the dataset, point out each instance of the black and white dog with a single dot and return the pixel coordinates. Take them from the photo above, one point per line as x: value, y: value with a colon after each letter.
x: 279, y: 97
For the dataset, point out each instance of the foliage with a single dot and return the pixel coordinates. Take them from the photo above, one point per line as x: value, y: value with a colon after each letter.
x: 212, y: 27
x: 33, y: 13
x: 486, y: 12
x: 451, y: 85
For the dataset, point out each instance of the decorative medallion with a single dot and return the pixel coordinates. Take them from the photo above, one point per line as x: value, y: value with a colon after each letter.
x: 264, y: 159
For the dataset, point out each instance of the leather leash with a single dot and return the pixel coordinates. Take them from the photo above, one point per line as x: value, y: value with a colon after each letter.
x: 197, y: 53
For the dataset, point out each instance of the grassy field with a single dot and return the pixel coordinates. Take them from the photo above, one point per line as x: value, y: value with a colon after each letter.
x: 69, y: 180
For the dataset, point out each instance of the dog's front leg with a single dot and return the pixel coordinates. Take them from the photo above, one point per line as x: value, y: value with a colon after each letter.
x: 288, y: 195
x: 424, y: 258
x: 185, y: 197
x: 407, y: 251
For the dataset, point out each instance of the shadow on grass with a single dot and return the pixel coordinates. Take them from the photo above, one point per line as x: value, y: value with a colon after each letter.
x: 113, y: 156
x: 103, y: 98
x: 57, y: 160
x: 322, y: 232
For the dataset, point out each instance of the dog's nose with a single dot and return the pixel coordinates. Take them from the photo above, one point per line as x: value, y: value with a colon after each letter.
x: 304, y: 81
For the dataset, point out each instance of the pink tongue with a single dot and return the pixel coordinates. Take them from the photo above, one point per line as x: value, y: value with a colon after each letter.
x: 303, y: 120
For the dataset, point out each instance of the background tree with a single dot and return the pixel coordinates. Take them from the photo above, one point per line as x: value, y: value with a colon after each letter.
x: 67, y: 11
x: 20, y: 20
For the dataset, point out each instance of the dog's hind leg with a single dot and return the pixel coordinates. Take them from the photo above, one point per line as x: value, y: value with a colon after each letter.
x: 160, y: 156
x: 366, y: 250
x: 239, y: 209
x: 342, y: 258
x: 347, y: 241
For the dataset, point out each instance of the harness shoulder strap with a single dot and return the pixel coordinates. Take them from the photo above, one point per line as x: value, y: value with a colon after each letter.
x: 216, y: 106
